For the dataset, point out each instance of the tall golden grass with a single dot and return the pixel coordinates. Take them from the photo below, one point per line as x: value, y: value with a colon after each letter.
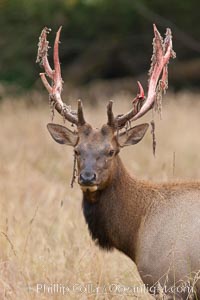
x: 43, y: 236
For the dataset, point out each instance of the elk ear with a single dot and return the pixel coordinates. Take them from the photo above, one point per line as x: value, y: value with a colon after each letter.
x: 62, y: 134
x: 133, y: 135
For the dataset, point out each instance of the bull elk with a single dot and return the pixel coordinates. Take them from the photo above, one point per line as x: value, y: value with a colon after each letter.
x: 156, y: 225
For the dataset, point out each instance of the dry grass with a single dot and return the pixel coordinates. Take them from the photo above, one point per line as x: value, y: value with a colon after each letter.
x: 43, y: 235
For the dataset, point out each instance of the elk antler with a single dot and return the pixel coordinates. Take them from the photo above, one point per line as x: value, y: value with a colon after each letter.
x: 55, y: 75
x: 162, y: 52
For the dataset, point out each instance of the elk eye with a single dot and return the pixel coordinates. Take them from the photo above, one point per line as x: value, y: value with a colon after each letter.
x: 76, y: 152
x: 111, y: 153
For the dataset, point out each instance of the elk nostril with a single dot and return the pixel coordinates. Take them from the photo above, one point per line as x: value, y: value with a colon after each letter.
x: 81, y: 177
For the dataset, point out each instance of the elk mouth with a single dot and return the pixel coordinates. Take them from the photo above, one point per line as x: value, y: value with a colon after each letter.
x: 89, y: 188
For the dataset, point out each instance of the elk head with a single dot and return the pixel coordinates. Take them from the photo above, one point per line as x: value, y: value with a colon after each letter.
x: 96, y: 149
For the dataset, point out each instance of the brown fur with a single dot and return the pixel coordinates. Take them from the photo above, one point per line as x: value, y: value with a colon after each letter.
x: 118, y: 215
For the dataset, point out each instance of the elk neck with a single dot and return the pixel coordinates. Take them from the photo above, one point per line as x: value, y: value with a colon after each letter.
x: 114, y: 214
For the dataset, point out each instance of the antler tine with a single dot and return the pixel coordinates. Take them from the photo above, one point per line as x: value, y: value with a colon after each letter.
x: 111, y: 118
x: 81, y: 119
x: 57, y: 71
x: 55, y: 89
x: 162, y: 52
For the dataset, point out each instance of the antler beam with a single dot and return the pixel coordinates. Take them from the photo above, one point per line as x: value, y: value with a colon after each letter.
x: 162, y: 52
x: 55, y: 89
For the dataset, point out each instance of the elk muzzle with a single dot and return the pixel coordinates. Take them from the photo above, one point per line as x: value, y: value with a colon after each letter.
x: 87, y: 181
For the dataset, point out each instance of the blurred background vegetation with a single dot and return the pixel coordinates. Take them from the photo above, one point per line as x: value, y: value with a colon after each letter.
x: 101, y: 39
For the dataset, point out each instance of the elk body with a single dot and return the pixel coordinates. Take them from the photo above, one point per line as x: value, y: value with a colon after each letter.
x: 156, y: 225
